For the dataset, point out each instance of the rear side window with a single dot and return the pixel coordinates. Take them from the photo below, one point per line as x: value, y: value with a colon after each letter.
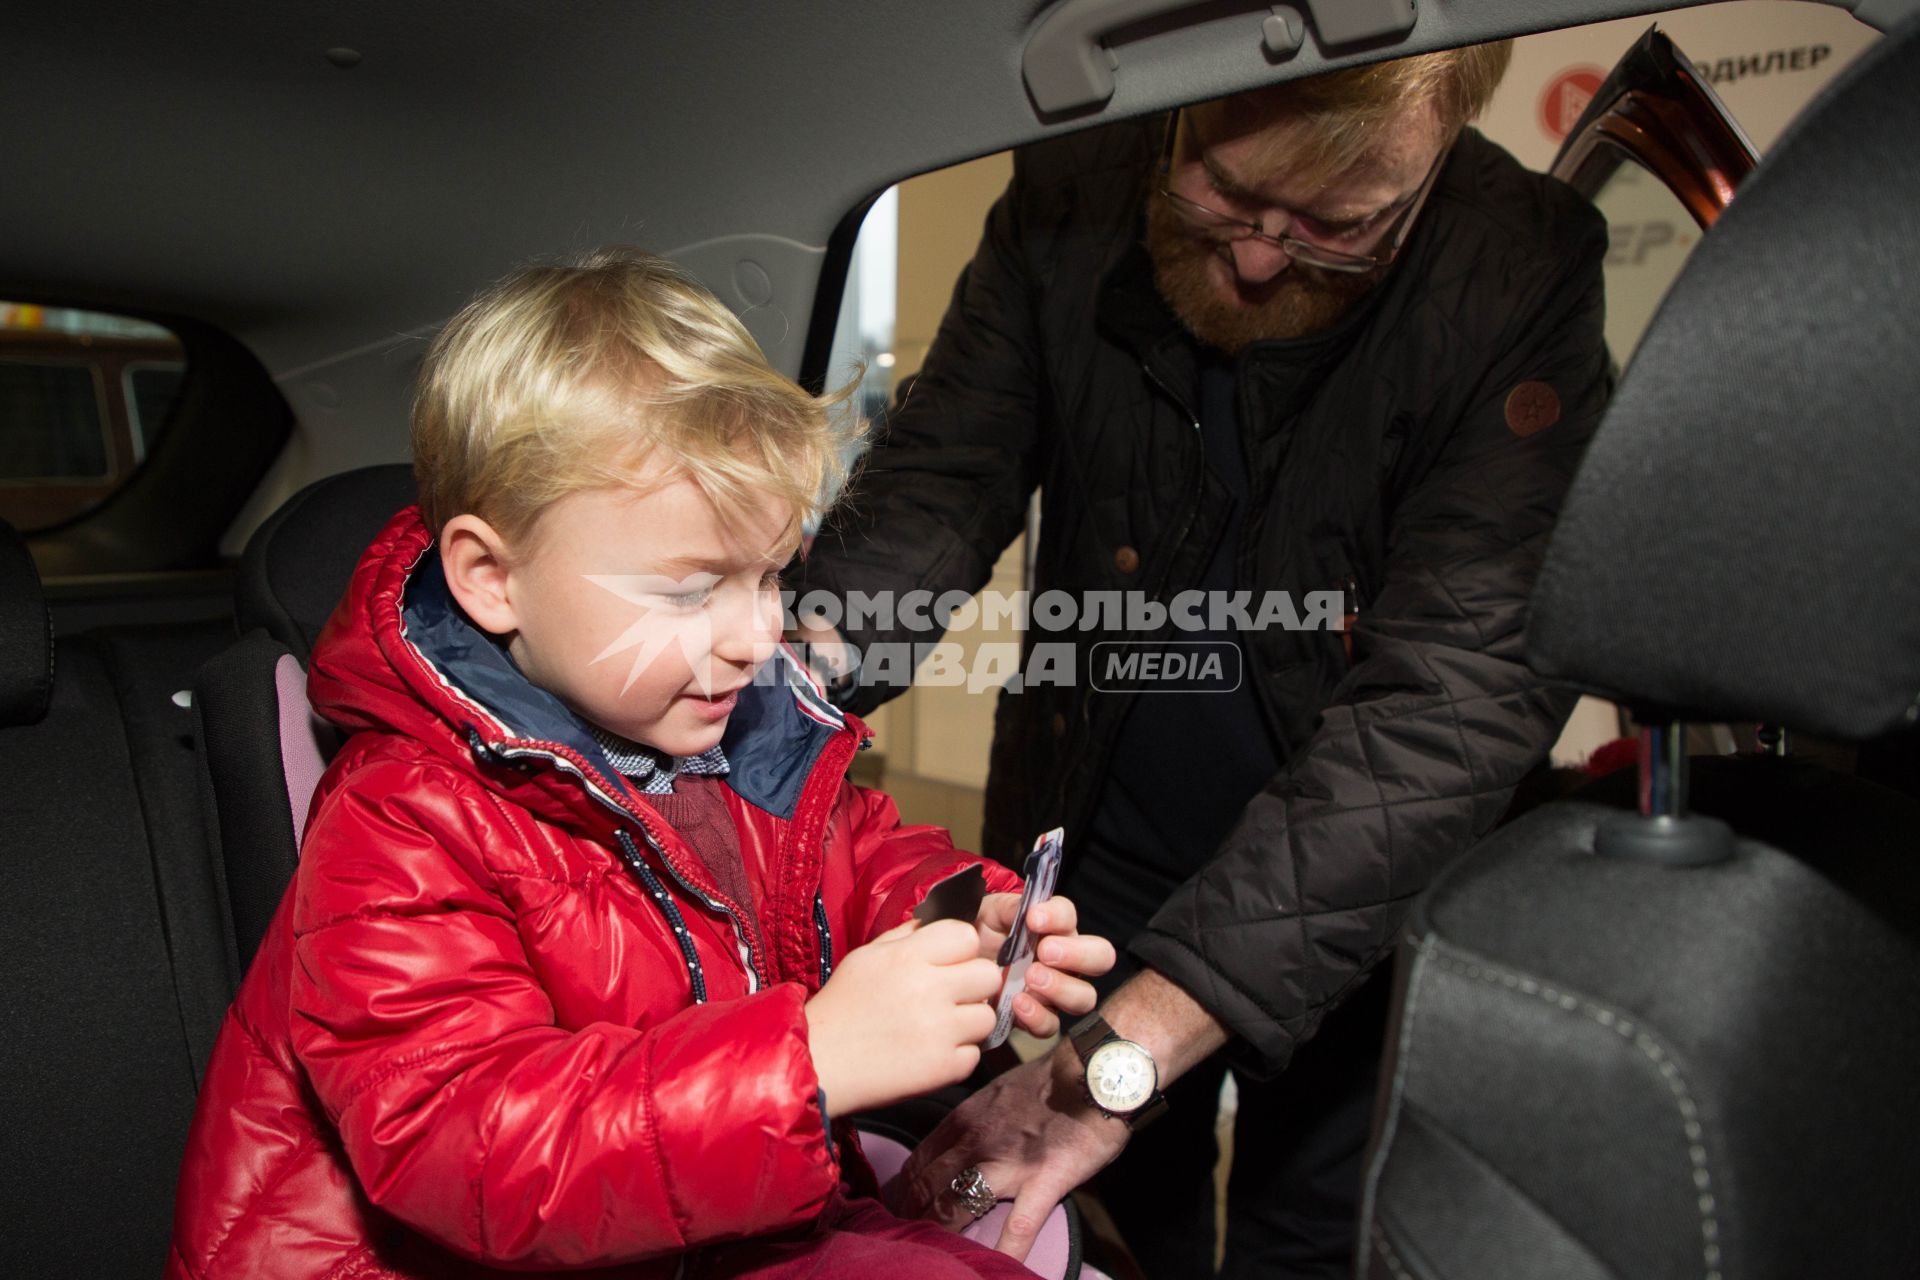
x: 151, y: 387
x: 84, y: 398
x: 56, y: 417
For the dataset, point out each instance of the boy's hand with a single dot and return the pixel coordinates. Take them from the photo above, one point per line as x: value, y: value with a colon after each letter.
x: 1060, y: 953
x: 902, y: 1016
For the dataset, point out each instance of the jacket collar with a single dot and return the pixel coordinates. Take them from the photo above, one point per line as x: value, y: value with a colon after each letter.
x: 400, y: 655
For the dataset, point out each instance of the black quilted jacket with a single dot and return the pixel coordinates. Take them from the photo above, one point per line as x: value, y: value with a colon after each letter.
x: 1416, y: 472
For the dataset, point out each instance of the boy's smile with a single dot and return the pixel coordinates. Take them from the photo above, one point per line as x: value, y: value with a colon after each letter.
x: 642, y: 611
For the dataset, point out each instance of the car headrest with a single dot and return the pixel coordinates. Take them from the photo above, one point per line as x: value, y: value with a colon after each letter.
x: 296, y: 565
x: 1738, y: 543
x: 26, y: 635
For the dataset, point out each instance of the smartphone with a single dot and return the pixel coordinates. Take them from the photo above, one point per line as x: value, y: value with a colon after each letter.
x: 1016, y: 953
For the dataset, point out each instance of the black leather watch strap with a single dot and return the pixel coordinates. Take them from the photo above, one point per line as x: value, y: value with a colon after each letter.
x: 1087, y: 1034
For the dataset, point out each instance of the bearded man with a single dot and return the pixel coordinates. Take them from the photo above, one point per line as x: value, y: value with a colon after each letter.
x: 1317, y: 338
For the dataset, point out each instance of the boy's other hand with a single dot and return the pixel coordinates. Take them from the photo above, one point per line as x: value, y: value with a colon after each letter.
x: 903, y: 1015
x: 1063, y: 958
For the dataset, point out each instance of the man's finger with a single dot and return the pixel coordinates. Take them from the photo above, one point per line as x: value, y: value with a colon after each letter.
x: 1062, y: 991
x: 1055, y: 915
x: 1082, y: 953
x: 921, y: 1190
x: 1036, y: 1200
x: 1035, y: 1018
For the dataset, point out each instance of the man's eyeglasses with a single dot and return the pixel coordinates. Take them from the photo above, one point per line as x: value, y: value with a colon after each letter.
x: 1225, y: 228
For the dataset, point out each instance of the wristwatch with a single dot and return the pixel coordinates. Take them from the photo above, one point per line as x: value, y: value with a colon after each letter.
x: 1122, y: 1080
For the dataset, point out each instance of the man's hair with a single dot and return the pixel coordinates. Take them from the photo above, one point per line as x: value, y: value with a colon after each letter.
x: 1337, y: 117
x: 616, y: 370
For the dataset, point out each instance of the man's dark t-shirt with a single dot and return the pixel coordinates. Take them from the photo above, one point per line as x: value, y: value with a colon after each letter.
x: 1184, y: 764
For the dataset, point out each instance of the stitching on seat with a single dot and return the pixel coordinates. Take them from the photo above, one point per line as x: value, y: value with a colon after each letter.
x: 1641, y: 1039
x: 1370, y: 1190
x: 1387, y: 1255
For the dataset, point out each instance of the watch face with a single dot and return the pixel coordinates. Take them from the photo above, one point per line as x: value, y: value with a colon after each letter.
x: 1121, y: 1076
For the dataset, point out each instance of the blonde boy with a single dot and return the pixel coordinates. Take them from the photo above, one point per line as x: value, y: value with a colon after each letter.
x: 593, y: 946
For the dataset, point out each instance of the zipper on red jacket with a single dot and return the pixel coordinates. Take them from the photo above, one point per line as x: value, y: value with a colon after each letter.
x: 670, y: 909
x: 824, y: 932
x: 563, y: 757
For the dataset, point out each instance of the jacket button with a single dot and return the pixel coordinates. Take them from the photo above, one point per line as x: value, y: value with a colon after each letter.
x: 1126, y: 559
x: 1059, y: 725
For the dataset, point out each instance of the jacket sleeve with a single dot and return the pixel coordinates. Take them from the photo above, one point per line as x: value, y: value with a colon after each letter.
x: 945, y: 490
x: 469, y: 1114
x: 896, y: 863
x: 1435, y: 723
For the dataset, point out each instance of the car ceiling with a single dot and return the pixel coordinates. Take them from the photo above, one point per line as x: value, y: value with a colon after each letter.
x: 208, y: 159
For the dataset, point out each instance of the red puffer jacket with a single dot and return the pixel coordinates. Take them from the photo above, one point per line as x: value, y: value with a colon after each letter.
x: 504, y: 1016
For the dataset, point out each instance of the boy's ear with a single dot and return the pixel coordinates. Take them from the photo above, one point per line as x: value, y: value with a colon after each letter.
x: 473, y: 556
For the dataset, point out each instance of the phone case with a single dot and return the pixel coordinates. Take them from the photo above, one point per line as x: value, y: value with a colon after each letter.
x: 1016, y: 953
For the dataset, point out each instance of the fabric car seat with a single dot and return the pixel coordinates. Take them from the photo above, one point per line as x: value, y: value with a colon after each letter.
x: 1678, y: 1040
x: 263, y: 748
x: 117, y: 965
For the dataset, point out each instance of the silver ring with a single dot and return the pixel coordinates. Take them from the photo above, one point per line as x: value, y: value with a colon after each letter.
x: 975, y: 1195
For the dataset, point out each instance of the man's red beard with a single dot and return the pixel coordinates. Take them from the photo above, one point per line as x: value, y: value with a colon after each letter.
x: 1300, y: 301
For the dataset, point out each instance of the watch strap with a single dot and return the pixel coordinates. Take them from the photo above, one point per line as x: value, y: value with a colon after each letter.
x: 1089, y: 1033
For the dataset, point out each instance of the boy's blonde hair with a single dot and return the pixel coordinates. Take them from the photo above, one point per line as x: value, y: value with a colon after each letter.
x: 1335, y: 120
x: 617, y: 370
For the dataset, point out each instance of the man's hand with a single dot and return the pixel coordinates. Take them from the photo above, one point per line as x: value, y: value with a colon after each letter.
x: 1033, y: 1132
x: 1033, y: 1135
x: 1063, y: 957
x: 901, y: 1016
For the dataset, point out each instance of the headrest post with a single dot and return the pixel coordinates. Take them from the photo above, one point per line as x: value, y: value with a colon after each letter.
x: 1663, y: 769
x: 1663, y: 831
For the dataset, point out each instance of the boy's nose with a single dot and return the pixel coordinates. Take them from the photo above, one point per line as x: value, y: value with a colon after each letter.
x: 749, y: 632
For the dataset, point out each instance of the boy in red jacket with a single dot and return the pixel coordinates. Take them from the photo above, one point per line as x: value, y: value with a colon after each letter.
x: 593, y: 945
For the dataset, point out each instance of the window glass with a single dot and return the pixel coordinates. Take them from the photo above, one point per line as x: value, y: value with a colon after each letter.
x: 1649, y: 237
x: 863, y: 333
x: 55, y: 421
x: 151, y: 387
x: 913, y: 243
x: 84, y: 397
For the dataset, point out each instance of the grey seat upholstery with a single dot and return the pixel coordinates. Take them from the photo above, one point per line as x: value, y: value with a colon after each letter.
x: 117, y: 964
x: 1615, y: 1062
x: 263, y: 748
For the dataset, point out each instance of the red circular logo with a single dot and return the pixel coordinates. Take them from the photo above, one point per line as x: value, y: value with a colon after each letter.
x: 1565, y: 97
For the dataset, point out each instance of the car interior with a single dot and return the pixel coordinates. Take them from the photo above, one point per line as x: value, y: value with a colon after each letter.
x: 1661, y: 1028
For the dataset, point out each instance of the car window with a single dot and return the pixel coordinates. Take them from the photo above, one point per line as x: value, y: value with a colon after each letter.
x: 84, y: 396
x: 931, y: 741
